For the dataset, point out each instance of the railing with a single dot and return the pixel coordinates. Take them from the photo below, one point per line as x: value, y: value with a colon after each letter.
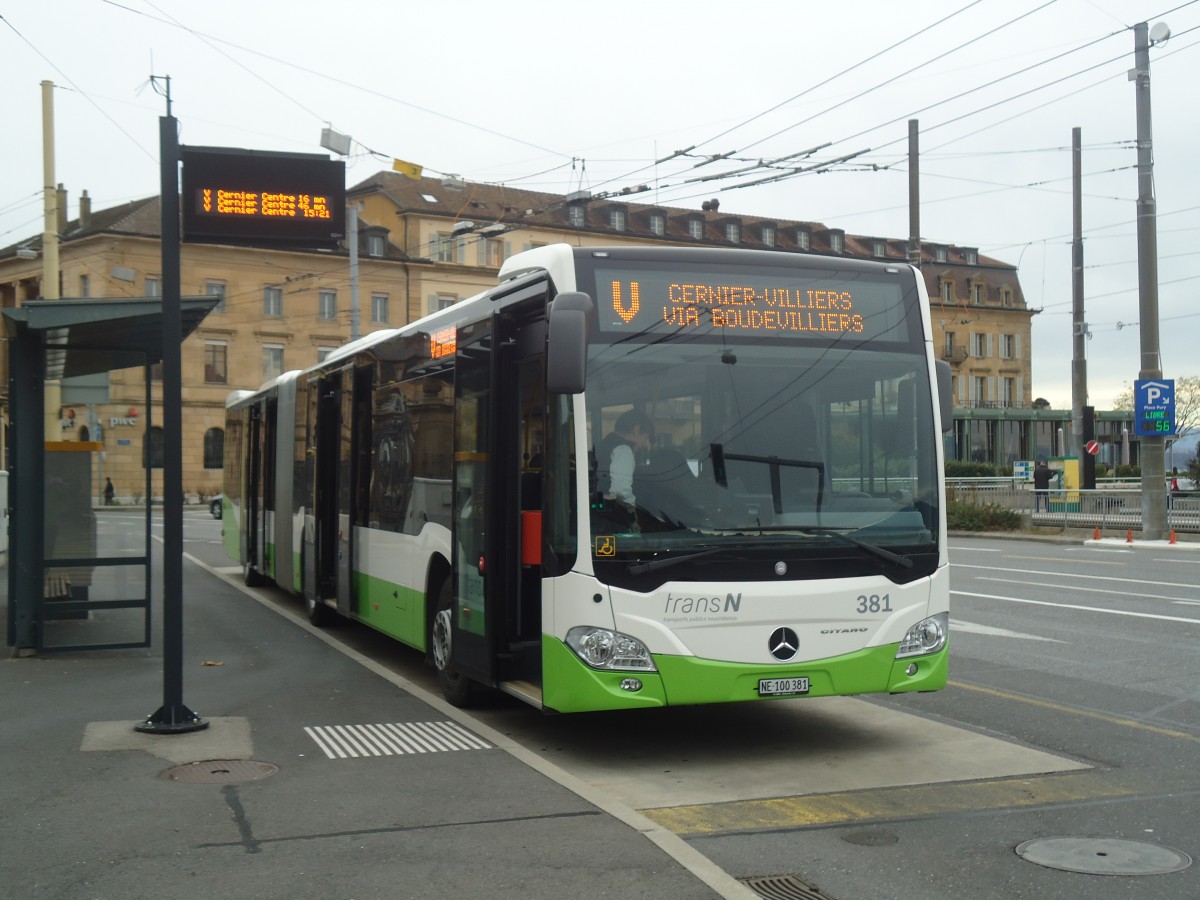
x: 1118, y: 508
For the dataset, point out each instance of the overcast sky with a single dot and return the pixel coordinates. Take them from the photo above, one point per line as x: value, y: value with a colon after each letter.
x: 561, y: 96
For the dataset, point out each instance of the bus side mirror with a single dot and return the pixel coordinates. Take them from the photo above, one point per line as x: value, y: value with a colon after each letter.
x: 566, y: 355
x: 945, y: 383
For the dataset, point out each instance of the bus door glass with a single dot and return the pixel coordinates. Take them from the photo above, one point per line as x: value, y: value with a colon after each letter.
x: 344, y: 489
x: 477, y: 573
x: 252, y: 516
x: 309, y: 550
x: 326, y: 506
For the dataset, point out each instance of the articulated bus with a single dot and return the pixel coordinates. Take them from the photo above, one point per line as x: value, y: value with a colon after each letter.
x: 623, y: 477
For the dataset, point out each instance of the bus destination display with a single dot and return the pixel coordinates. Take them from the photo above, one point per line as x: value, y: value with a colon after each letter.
x: 777, y: 304
x: 250, y: 197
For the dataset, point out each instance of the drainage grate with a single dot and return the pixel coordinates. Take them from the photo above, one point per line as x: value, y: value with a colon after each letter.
x: 394, y: 739
x: 1103, y: 856
x: 221, y: 771
x: 781, y: 887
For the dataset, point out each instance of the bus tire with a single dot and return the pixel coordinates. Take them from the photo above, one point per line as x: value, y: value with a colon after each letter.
x: 251, y: 576
x: 318, y: 613
x: 456, y: 687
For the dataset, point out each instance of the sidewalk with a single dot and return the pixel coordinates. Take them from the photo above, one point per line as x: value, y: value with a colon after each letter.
x: 429, y: 809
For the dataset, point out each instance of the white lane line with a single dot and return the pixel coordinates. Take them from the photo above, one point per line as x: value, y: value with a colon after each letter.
x: 1096, y: 609
x: 977, y: 549
x: 1090, y: 577
x: 957, y: 625
x: 1090, y: 590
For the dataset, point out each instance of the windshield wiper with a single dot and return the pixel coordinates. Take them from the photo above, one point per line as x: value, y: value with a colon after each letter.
x: 881, y: 552
x: 667, y: 561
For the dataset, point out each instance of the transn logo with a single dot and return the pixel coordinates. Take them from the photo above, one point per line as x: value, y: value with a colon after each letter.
x: 625, y: 312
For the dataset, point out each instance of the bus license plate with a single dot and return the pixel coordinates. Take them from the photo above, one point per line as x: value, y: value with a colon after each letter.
x: 777, y: 687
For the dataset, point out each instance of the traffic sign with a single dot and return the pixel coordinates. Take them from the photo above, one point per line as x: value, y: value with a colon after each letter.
x: 1092, y: 447
x: 1154, y: 407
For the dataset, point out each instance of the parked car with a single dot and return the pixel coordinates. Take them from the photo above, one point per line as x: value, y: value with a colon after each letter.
x: 214, y: 505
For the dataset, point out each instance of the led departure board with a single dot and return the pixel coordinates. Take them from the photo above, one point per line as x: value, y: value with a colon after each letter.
x: 779, y: 302
x: 260, y: 197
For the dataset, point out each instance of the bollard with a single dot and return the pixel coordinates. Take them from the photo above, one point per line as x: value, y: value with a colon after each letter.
x: 1129, y: 536
x: 1096, y: 535
x: 1172, y: 536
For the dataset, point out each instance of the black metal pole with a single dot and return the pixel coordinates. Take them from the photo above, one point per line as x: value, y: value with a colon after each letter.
x: 172, y: 717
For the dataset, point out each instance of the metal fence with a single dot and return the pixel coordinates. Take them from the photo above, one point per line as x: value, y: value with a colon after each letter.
x: 1116, y: 507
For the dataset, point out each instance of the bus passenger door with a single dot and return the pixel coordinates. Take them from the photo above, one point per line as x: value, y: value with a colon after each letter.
x: 329, y: 402
x: 252, y: 516
x: 478, y: 572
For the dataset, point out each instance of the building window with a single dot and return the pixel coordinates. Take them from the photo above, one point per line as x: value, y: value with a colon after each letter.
x: 979, y: 344
x: 376, y: 245
x: 949, y: 338
x: 214, y: 448
x: 272, y: 357
x: 733, y: 232
x: 971, y: 256
x: 696, y: 228
x: 85, y: 286
x: 272, y: 301
x: 445, y: 248
x: 768, y: 235
x: 323, y: 353
x: 575, y: 214
x: 879, y: 248
x: 152, y: 453
x: 379, y: 308
x: 491, y: 253
x: 442, y: 301
x: 977, y: 294
x: 152, y: 286
x: 978, y: 390
x: 216, y: 362
x: 1009, y: 386
x: 658, y: 223
x: 326, y: 304
x: 803, y: 239
x: 939, y: 254
x: 215, y: 289
x: 837, y: 240
x: 1008, y: 346
x: 947, y: 291
x: 1006, y: 297
x: 616, y: 219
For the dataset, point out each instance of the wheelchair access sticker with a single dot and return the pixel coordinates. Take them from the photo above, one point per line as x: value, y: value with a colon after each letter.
x: 606, y: 545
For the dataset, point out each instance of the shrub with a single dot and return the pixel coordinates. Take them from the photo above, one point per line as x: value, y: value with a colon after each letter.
x: 963, y: 469
x: 962, y: 516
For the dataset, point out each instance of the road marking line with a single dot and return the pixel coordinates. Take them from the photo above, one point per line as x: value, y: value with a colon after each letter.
x: 1098, y: 609
x: 860, y: 807
x: 1076, y: 711
x: 957, y: 625
x: 1090, y: 590
x: 1072, y: 575
x: 1072, y: 559
x: 392, y: 739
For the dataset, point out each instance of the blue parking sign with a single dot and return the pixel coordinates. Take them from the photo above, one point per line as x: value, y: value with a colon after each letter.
x: 1154, y: 407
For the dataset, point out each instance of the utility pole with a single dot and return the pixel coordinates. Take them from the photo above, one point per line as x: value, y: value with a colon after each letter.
x: 914, y: 195
x: 52, y: 387
x: 1154, y: 493
x: 1079, y: 394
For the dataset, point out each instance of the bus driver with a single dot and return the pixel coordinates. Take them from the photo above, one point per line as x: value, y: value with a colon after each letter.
x: 616, y: 458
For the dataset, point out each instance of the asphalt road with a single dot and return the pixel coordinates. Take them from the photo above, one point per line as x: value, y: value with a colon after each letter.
x: 1073, y: 713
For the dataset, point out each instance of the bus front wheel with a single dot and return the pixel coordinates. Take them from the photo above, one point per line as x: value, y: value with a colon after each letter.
x: 456, y: 687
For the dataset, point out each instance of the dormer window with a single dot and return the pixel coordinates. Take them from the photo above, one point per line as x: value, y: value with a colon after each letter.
x: 970, y: 256
x: 837, y: 240
x: 879, y: 247
x: 658, y: 223
x: 947, y: 291
x: 616, y: 219
x: 768, y: 235
x: 977, y: 293
x: 733, y: 232
x: 575, y: 214
x: 376, y: 245
x: 939, y: 254
x: 696, y: 228
x: 803, y: 238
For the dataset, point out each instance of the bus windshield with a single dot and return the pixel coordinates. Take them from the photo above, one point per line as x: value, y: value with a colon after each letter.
x: 758, y: 446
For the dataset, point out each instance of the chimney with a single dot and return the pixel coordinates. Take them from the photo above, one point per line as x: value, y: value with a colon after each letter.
x: 62, y: 208
x: 85, y: 210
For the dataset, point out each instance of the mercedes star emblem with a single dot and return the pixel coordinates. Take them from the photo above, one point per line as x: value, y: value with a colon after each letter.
x: 783, y: 643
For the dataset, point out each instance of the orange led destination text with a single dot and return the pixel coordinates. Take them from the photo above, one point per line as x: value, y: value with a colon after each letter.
x: 262, y: 204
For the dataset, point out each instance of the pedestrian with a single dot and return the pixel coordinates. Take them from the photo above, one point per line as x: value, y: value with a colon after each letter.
x: 1041, y: 486
x: 108, y: 492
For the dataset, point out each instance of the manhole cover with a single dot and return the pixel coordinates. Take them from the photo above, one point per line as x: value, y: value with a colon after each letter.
x: 871, y: 838
x: 221, y: 771
x: 1103, y: 856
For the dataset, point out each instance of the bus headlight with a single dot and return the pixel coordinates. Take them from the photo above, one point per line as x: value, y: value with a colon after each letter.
x: 927, y: 636
x: 604, y: 649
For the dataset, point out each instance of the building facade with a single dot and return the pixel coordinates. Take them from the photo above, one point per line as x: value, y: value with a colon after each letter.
x: 424, y: 244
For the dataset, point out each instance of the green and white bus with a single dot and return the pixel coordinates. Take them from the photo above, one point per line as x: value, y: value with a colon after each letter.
x: 771, y: 526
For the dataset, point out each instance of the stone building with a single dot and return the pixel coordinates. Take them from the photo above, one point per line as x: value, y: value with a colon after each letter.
x: 425, y: 244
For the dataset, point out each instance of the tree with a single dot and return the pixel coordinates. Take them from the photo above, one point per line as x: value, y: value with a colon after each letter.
x: 1187, y: 404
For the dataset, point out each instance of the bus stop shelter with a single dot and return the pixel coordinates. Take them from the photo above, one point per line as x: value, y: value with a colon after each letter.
x: 57, y: 569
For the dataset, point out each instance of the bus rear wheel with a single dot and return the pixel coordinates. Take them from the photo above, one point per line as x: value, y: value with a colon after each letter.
x: 456, y: 687
x: 319, y: 614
